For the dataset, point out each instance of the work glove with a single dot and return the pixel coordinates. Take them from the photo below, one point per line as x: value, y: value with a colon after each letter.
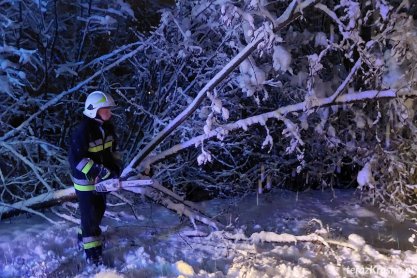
x: 104, y: 174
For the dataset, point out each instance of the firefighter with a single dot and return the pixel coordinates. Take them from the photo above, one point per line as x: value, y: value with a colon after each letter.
x: 92, y: 159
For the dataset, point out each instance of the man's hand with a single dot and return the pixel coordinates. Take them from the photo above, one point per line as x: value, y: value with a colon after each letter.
x: 103, y: 174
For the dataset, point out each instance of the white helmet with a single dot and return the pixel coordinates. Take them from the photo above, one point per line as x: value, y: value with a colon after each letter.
x: 95, y: 101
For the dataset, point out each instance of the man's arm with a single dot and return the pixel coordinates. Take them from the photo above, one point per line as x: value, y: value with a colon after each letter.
x: 81, y: 163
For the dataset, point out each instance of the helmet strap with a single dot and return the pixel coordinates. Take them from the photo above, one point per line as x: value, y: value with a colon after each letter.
x: 99, y: 119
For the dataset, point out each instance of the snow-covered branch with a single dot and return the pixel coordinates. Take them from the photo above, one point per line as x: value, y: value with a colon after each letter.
x: 286, y: 238
x: 34, y: 168
x: 9, y: 207
x: 346, y: 81
x: 293, y: 80
x: 42, y: 199
x: 61, y: 95
x: 277, y: 114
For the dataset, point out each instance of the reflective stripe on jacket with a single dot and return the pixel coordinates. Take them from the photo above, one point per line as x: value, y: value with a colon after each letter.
x: 91, y: 148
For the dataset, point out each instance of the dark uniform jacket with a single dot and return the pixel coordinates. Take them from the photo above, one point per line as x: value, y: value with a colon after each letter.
x: 91, y: 153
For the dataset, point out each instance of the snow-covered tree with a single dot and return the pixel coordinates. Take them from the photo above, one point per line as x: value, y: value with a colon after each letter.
x: 225, y: 95
x: 338, y: 63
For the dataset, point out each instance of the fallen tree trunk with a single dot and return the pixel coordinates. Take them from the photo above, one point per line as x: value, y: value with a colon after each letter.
x: 45, y: 200
x: 156, y: 192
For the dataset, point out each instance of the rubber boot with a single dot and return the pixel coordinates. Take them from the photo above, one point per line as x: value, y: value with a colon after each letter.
x: 80, y: 240
x: 94, y: 255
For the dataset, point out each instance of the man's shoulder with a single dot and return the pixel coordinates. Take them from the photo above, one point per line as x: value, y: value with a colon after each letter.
x: 84, y: 126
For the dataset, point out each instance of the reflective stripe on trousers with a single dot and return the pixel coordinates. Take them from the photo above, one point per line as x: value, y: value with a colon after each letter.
x: 91, y: 242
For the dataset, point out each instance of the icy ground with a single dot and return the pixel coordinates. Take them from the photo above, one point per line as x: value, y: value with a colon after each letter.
x: 354, y: 241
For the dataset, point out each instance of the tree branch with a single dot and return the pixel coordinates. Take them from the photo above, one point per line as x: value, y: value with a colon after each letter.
x: 346, y: 81
x: 28, y: 163
x: 278, y: 114
x: 23, y: 208
x: 40, y: 200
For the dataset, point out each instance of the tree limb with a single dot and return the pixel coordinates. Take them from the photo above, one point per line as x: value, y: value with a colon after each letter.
x: 279, y: 113
x: 346, y: 81
x: 28, y: 163
x: 287, y: 238
x: 53, y: 197
x: 23, y: 208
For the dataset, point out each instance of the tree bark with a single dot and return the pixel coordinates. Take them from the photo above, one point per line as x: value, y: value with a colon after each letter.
x: 45, y: 200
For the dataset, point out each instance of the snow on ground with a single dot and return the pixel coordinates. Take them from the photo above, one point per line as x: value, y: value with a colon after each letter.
x: 260, y: 241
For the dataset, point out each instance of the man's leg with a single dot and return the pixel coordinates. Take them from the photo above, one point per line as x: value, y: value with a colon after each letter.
x: 90, y: 226
x: 100, y: 201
